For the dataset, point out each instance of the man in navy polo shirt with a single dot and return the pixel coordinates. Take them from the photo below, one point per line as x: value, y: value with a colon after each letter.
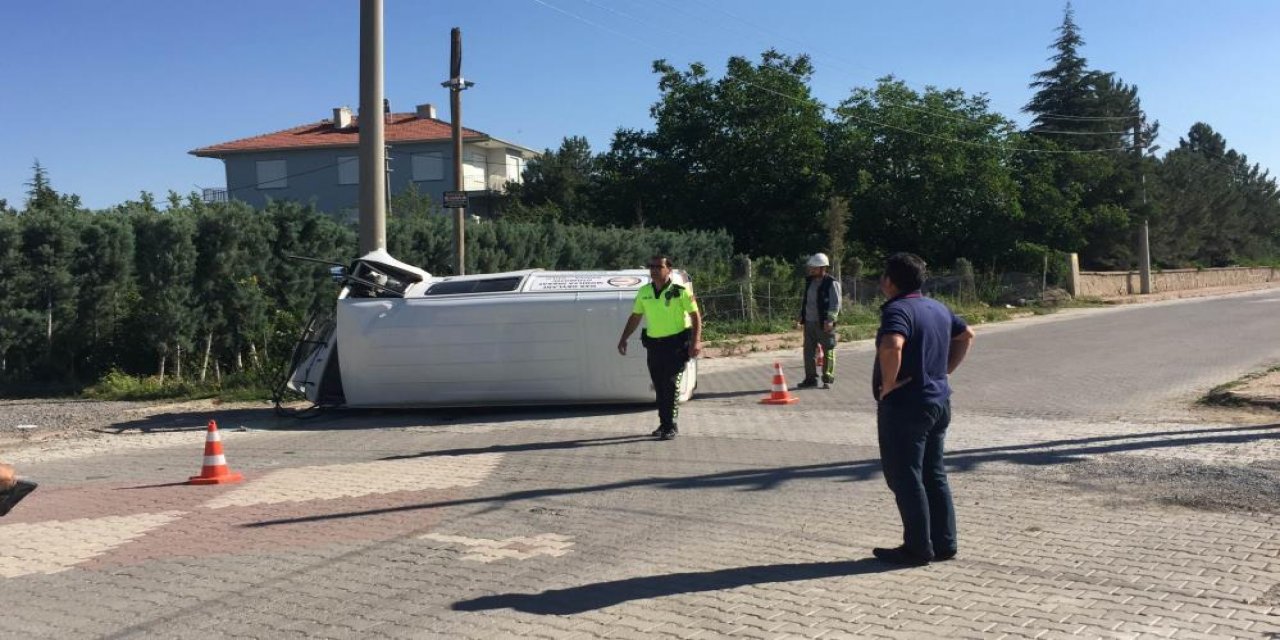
x: 920, y: 343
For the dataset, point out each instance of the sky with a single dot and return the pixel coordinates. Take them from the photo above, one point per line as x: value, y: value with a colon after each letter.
x: 111, y: 96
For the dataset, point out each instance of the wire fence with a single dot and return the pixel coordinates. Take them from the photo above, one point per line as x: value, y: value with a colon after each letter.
x: 771, y: 301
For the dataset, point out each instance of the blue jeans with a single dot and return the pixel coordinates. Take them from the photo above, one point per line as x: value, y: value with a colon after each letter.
x: 911, y: 442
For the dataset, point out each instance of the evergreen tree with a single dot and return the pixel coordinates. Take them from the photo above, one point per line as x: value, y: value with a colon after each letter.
x: 107, y: 294
x: 1066, y: 88
x: 165, y: 263
x: 1081, y: 110
x: 41, y: 194
x: 1216, y: 209
x: 233, y: 244
x: 556, y: 185
x: 20, y: 323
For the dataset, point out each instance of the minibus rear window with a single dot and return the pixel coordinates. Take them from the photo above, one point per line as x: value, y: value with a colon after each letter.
x: 488, y: 285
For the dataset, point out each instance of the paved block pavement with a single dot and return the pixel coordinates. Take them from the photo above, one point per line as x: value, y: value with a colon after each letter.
x: 572, y: 523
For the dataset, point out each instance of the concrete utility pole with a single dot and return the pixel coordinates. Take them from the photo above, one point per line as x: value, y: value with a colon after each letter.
x: 1144, y: 243
x: 456, y: 86
x: 373, y: 188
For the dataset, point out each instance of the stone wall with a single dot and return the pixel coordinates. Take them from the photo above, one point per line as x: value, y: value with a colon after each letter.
x: 1104, y: 284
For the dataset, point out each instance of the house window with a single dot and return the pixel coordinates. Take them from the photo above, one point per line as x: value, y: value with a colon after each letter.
x: 515, y: 168
x: 272, y: 174
x: 473, y: 173
x: 349, y: 170
x: 428, y: 166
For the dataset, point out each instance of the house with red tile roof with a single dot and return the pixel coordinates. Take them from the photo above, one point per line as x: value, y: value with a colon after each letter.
x: 318, y: 163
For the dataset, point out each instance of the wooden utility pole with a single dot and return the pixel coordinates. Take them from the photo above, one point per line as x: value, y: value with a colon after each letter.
x: 456, y: 86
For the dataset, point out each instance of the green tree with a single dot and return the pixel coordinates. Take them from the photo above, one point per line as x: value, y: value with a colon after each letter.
x: 20, y: 323
x: 298, y: 286
x: 41, y: 194
x: 1080, y: 110
x: 925, y: 172
x: 742, y: 153
x: 233, y: 245
x: 556, y: 186
x: 107, y: 293
x: 1216, y: 208
x: 50, y: 240
x: 165, y: 263
x: 627, y: 184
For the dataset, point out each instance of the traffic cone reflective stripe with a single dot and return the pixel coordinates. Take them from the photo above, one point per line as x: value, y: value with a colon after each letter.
x: 215, y: 469
x: 779, y: 393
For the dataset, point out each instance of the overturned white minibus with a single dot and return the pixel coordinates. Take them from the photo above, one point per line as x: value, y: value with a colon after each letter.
x: 403, y: 338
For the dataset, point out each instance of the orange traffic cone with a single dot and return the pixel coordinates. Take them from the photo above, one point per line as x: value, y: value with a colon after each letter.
x: 780, y: 395
x: 215, y: 470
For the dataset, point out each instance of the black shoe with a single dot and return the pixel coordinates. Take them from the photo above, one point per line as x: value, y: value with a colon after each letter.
x: 827, y: 384
x: 13, y: 495
x: 808, y: 383
x: 899, y: 556
x: 942, y: 557
x: 657, y: 433
x: 668, y: 435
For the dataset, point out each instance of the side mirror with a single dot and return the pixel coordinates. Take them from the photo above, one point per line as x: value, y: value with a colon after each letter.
x: 338, y: 274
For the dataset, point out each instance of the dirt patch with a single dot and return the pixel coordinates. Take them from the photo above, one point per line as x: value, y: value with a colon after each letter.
x: 1256, y: 390
x: 1263, y: 390
x: 1184, y: 483
x: 742, y: 345
x: 27, y: 422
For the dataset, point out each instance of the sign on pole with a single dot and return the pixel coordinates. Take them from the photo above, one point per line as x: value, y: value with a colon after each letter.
x: 455, y: 199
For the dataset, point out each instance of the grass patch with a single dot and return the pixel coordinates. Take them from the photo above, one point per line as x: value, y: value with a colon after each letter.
x: 238, y: 387
x: 727, y: 331
x: 1222, y: 396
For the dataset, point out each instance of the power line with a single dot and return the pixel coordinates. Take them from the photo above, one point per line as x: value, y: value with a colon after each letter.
x: 839, y: 59
x: 952, y: 116
x: 598, y: 26
x: 1052, y: 116
x: 834, y: 110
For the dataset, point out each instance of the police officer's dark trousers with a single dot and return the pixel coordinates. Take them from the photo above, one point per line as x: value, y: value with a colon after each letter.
x: 667, y: 357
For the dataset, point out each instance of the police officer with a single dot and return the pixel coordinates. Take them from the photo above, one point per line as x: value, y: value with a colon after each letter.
x: 672, y: 335
x: 819, y: 308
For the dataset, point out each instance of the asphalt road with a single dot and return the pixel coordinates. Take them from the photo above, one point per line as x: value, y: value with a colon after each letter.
x: 1135, y: 362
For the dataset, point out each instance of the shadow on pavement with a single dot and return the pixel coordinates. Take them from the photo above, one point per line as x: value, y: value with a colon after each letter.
x: 756, y: 479
x: 527, y: 446
x: 606, y: 594
x: 714, y: 395
x: 355, y: 419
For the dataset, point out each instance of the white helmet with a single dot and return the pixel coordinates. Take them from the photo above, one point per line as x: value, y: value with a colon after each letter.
x: 818, y: 260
